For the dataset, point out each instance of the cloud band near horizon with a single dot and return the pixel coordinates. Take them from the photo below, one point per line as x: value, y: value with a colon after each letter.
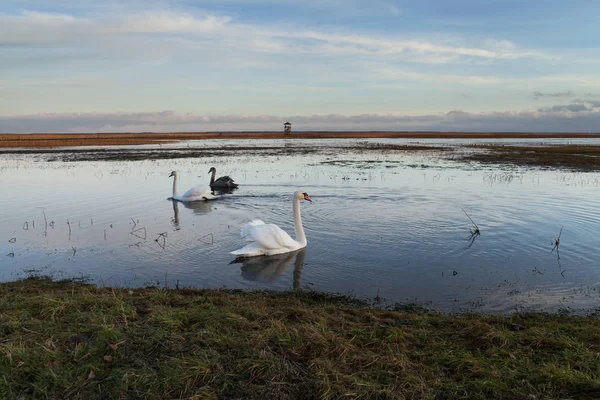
x: 580, y: 116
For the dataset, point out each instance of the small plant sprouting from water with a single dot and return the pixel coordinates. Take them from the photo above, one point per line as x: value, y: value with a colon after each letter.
x: 557, y: 243
x: 45, y: 221
x: 138, y: 233
x: 162, y: 243
x: 204, y: 239
x: 474, y: 231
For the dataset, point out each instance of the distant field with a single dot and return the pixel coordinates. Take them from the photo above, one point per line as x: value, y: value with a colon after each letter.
x: 116, y: 139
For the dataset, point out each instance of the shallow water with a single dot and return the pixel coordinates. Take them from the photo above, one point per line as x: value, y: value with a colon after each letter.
x: 382, y: 225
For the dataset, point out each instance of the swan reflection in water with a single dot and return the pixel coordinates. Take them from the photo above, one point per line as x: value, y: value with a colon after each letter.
x: 270, y: 268
x: 199, y: 207
x: 224, y: 190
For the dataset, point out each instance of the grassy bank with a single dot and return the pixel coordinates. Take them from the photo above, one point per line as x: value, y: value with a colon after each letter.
x: 64, y: 340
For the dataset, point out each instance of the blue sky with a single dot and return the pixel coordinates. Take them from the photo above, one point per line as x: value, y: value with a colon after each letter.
x: 162, y: 65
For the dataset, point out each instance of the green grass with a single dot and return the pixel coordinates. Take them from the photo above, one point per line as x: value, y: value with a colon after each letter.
x: 65, y: 340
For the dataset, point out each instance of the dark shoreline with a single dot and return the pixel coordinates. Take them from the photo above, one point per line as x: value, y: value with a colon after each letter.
x: 116, y: 139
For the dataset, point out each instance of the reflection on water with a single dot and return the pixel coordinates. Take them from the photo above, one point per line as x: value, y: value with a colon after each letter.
x: 382, y: 224
x: 270, y: 268
x: 199, y: 207
x: 223, y: 191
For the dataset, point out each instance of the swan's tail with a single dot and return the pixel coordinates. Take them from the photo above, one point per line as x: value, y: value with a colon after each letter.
x: 250, y: 250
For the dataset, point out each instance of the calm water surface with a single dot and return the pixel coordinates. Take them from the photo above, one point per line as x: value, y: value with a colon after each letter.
x: 381, y: 224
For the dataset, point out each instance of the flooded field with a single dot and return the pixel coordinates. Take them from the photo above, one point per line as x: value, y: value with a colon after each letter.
x: 386, y: 222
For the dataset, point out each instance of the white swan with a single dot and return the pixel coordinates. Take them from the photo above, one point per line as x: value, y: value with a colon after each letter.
x: 269, y: 239
x: 200, y: 192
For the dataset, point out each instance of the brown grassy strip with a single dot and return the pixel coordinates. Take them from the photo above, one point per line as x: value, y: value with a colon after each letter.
x: 64, y: 340
x: 579, y: 157
x: 116, y: 139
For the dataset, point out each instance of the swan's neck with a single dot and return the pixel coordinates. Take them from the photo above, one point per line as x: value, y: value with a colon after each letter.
x: 212, y: 178
x: 300, y: 237
x: 175, y: 179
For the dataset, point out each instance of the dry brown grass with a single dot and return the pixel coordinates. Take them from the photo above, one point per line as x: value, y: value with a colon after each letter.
x: 117, y: 139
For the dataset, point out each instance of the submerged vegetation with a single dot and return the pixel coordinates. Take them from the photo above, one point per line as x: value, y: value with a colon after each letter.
x: 69, y: 340
x: 167, y: 153
x: 577, y: 157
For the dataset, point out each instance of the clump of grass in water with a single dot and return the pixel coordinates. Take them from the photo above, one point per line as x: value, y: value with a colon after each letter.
x: 73, y: 341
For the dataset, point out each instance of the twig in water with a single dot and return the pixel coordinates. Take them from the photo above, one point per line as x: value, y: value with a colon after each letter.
x: 51, y: 224
x: 45, y: 221
x: 557, y: 242
x: 212, y: 238
x: 162, y: 244
x: 74, y: 250
x: 135, y: 233
x: 134, y: 223
x: 11, y: 254
x: 105, y: 234
x: 69, y: 223
x: 472, y: 239
x: 26, y: 226
x: 474, y: 232
x: 473, y: 222
x: 562, y: 271
x: 12, y: 240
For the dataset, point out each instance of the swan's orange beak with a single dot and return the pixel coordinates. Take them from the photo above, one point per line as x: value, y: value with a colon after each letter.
x: 307, y: 198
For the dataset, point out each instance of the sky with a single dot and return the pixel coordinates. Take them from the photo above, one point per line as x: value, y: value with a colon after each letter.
x: 230, y: 65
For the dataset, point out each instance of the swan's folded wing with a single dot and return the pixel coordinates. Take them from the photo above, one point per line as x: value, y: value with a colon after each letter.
x: 270, y: 236
x: 245, y: 231
x: 224, y: 179
x: 199, y: 192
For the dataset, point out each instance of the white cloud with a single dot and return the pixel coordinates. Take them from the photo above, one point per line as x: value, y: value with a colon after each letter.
x: 390, y: 73
x: 538, y: 94
x: 31, y: 28
x: 171, y: 22
x: 154, y: 55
